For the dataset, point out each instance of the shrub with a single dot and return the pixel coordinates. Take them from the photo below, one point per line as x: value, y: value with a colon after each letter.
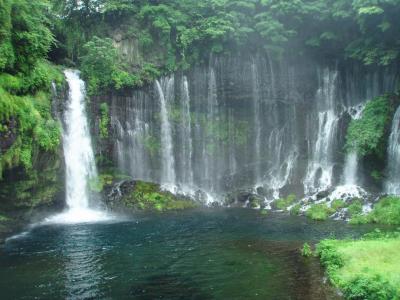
x: 104, y: 120
x: 355, y: 208
x: 386, y: 211
x: 306, y: 250
x: 366, y: 136
x: 329, y: 256
x: 283, y: 203
x: 337, y: 204
x: 295, y: 210
x: 319, y: 212
x: 369, y: 288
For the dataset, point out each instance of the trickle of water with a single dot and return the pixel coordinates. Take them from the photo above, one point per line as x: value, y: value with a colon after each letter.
x: 79, y: 158
x: 392, y: 185
x: 257, y: 123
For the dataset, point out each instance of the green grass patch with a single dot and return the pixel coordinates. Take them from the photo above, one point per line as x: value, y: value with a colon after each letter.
x: 363, y: 269
x: 338, y: 204
x: 284, y: 203
x: 355, y: 208
x: 319, y: 212
x: 386, y: 211
x: 295, y: 209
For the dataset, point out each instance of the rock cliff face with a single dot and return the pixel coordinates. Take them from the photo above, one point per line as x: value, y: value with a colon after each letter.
x: 242, y: 122
x: 27, y: 194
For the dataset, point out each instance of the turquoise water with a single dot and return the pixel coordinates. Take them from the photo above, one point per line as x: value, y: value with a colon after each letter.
x: 201, y: 254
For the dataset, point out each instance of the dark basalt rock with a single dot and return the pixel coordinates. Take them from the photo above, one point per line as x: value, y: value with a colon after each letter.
x: 241, y: 198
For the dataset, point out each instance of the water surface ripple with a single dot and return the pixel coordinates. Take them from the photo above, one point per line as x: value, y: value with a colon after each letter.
x: 201, y: 254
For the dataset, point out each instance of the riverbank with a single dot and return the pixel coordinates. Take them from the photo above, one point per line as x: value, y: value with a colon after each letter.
x: 364, y: 269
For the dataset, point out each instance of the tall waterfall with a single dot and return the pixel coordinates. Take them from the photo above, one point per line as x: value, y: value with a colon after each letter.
x: 168, y: 162
x: 320, y: 168
x: 79, y: 158
x: 392, y: 185
x: 186, y: 138
x: 257, y: 122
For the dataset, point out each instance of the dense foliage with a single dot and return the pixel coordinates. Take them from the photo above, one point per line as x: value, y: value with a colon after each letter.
x: 26, y: 124
x: 178, y: 33
x: 366, y: 136
x: 386, y: 211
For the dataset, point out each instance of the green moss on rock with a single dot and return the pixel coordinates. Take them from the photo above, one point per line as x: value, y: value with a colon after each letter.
x: 319, y: 212
x: 139, y: 195
x: 284, y: 203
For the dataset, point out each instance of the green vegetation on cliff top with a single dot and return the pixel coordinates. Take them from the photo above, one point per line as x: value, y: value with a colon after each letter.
x: 179, y: 33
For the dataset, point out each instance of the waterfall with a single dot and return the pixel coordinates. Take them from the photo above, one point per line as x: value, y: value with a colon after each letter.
x: 79, y: 158
x: 239, y: 124
x: 351, y: 160
x: 392, y: 185
x: 211, y: 151
x: 257, y: 123
x: 350, y: 169
x: 186, y: 137
x: 168, y: 177
x: 320, y: 168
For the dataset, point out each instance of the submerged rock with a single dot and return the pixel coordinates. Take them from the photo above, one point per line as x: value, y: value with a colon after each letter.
x: 133, y: 195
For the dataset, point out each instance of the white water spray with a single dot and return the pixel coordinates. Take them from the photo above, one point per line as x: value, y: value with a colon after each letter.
x: 79, y: 158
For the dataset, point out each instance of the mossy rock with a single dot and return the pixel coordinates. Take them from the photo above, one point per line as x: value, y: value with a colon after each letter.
x: 147, y: 196
x: 284, y: 203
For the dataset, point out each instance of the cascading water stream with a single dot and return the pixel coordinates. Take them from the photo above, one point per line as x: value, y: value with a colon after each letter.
x: 392, y: 185
x: 351, y: 161
x: 319, y: 172
x: 235, y: 125
x: 186, y: 138
x: 168, y: 177
x: 257, y: 122
x: 79, y: 158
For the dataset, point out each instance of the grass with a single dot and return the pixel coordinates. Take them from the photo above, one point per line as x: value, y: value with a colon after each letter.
x: 337, y: 204
x: 386, y: 211
x: 284, y: 203
x: 295, y: 210
x: 363, y: 269
x: 319, y: 212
